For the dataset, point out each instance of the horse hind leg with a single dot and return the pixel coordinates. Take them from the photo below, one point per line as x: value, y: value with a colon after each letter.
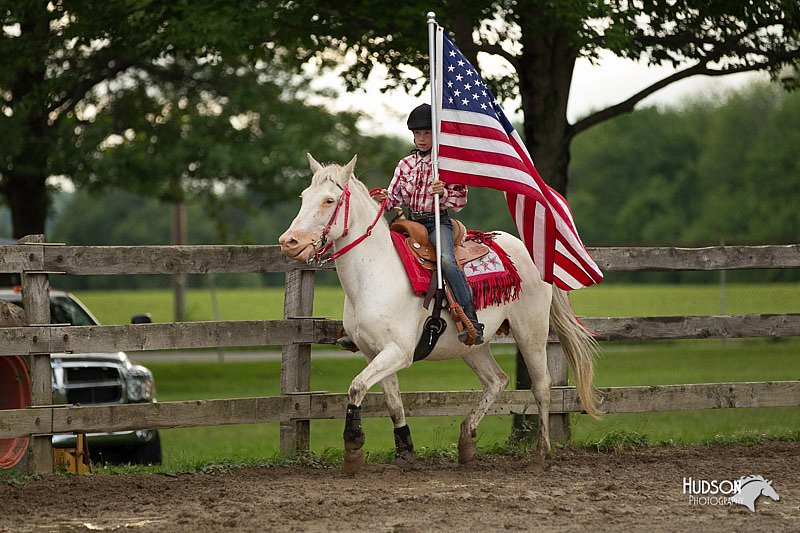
x: 532, y: 343
x: 404, y: 446
x: 494, y: 381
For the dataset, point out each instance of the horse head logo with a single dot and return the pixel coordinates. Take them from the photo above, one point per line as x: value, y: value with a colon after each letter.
x: 751, y: 487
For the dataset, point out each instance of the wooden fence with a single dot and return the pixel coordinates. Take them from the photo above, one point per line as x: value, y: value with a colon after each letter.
x: 39, y: 261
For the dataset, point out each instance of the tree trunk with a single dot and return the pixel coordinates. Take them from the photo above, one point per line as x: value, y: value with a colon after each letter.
x: 26, y: 190
x: 545, y: 76
x: 24, y: 183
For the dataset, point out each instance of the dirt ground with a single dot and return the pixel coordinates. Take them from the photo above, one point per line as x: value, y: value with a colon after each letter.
x: 580, y: 490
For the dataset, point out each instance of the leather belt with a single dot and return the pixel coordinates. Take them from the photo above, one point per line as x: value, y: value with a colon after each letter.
x: 416, y: 215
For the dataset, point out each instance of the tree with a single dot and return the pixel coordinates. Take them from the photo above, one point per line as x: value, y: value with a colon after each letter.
x: 719, y: 168
x: 635, y: 177
x: 208, y: 132
x: 91, y: 87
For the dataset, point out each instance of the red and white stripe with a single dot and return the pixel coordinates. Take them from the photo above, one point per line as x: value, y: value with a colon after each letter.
x: 474, y: 149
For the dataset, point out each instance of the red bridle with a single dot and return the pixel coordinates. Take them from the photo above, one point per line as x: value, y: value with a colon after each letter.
x: 344, y: 199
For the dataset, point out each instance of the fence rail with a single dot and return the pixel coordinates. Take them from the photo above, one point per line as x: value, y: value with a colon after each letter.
x: 297, y: 404
x: 92, y: 260
x: 188, y: 335
x: 319, y: 406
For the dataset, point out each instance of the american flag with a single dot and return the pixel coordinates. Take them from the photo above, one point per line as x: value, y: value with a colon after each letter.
x: 477, y: 145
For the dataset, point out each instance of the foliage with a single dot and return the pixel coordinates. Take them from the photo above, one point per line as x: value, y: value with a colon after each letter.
x: 716, y: 170
x: 177, y: 101
x: 242, y: 127
x: 731, y: 37
x: 62, y: 59
x: 619, y: 440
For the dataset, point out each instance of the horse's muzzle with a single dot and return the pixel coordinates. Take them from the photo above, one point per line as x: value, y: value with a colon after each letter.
x: 297, y: 245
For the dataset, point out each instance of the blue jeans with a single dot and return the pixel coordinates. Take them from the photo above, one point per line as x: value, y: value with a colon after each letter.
x: 450, y: 270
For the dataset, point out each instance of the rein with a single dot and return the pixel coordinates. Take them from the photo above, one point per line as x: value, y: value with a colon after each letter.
x: 344, y: 199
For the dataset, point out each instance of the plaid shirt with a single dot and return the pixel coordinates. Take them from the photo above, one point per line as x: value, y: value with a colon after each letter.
x: 411, y: 187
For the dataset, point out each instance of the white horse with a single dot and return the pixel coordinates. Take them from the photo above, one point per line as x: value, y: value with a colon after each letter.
x: 385, y: 319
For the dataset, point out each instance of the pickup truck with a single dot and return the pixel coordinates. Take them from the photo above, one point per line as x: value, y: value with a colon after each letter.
x: 94, y: 378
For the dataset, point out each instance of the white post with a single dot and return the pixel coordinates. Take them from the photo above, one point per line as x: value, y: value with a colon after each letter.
x: 435, y: 138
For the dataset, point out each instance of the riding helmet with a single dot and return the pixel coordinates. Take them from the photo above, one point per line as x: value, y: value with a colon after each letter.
x: 420, y: 118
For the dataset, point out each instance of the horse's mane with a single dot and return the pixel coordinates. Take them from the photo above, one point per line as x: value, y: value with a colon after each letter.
x: 358, y: 185
x: 327, y: 172
x: 331, y: 173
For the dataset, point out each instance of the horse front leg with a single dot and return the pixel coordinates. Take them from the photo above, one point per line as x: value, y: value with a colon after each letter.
x: 388, y: 362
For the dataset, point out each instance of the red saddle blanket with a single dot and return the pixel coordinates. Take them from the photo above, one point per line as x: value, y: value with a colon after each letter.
x: 493, y: 278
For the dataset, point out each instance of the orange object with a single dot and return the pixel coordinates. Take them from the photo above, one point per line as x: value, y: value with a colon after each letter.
x: 15, y: 393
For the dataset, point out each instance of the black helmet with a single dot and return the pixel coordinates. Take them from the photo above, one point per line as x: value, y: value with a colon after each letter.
x: 420, y: 118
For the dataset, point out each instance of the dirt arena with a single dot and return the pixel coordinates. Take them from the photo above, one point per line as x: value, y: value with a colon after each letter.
x: 579, y: 491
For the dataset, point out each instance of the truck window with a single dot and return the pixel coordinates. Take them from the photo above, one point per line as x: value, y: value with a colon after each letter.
x: 65, y: 311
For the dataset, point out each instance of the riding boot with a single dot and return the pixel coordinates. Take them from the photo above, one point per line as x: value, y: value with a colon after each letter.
x: 463, y: 335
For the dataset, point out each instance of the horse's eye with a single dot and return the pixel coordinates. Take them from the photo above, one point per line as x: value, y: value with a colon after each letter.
x: 329, y: 201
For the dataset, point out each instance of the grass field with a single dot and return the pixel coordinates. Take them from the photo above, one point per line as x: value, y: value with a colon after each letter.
x: 650, y: 363
x: 621, y: 364
x: 116, y: 307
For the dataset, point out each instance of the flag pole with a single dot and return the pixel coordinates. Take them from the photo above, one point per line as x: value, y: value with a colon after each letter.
x: 435, y: 141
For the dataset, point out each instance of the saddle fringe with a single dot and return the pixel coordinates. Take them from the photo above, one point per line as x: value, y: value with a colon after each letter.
x: 500, y: 288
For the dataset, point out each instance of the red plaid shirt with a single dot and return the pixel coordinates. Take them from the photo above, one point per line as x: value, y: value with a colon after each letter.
x: 411, y: 186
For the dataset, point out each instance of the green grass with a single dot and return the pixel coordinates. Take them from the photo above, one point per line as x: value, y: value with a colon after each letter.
x: 621, y: 364
x: 689, y: 299
x: 116, y: 307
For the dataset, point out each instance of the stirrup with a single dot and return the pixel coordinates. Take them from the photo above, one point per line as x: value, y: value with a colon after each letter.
x: 463, y: 335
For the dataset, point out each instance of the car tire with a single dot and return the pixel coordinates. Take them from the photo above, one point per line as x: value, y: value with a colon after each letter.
x: 148, y: 453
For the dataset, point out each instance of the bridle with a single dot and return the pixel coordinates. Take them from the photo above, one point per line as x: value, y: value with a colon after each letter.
x: 344, y: 200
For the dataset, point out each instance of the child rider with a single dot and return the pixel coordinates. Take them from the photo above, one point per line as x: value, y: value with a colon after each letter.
x: 413, y: 187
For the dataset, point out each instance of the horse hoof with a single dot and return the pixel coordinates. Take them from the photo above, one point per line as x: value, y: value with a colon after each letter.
x: 353, y: 461
x: 466, y: 444
x: 405, y: 460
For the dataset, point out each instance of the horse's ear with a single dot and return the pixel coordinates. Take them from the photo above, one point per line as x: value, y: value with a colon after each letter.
x: 315, y: 166
x: 348, y: 169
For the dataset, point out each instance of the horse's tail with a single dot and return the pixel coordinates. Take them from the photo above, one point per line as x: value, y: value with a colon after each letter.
x: 580, y: 347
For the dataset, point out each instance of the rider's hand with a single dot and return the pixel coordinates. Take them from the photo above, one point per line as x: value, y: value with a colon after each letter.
x: 438, y: 187
x: 381, y: 196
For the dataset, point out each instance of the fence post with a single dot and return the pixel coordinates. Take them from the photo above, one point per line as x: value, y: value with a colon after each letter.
x: 557, y: 366
x: 36, y: 302
x: 296, y: 358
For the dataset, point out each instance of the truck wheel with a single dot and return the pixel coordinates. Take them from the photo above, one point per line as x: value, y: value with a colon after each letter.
x: 148, y: 453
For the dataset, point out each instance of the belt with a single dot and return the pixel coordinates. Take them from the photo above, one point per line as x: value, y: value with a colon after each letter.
x: 416, y: 215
